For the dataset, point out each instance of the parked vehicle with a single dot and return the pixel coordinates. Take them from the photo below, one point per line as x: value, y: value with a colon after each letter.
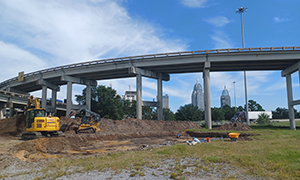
x: 253, y: 116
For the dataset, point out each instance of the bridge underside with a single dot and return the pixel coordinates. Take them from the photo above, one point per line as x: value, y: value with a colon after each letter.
x: 159, y: 66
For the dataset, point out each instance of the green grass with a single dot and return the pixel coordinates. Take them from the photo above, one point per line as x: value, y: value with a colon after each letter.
x: 273, y: 155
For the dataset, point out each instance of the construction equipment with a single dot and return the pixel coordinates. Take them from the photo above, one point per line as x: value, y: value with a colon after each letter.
x: 89, y: 123
x: 234, y: 136
x: 38, y: 124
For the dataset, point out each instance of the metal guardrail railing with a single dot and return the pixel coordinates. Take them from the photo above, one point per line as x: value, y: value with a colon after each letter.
x: 184, y: 53
x: 14, y: 94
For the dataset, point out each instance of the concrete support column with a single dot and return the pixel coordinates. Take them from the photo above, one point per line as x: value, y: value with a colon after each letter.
x: 53, y: 101
x: 69, y: 98
x: 44, y: 96
x: 2, y: 113
x: 10, y: 105
x: 207, y: 103
x: 290, y: 101
x: 88, y: 97
x: 139, y: 96
x: 159, y: 99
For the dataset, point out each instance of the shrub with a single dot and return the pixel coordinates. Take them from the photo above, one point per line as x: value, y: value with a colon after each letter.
x: 263, y: 119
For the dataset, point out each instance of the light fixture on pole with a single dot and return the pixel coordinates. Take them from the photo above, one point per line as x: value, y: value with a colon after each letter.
x: 240, y: 11
x: 234, y: 96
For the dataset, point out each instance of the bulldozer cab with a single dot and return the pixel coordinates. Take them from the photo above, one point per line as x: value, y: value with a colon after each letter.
x: 86, y: 120
x: 32, y: 114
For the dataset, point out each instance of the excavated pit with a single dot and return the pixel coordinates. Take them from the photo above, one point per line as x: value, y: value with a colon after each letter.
x: 115, y: 136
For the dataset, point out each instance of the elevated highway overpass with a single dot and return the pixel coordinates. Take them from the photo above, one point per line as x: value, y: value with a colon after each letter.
x: 160, y: 66
x: 11, y: 100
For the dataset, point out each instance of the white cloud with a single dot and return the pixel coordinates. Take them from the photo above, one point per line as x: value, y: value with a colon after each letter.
x: 278, y: 19
x: 221, y: 40
x: 194, y: 3
x: 219, y: 21
x: 14, y: 60
x: 75, y: 31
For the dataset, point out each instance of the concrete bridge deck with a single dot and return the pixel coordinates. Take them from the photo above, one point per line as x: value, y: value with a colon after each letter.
x: 160, y: 66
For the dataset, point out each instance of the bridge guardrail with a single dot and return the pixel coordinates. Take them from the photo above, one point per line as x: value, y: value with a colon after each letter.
x: 229, y: 50
x: 14, y: 94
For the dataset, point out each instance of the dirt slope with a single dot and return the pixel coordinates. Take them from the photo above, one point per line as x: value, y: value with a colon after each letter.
x: 110, y: 130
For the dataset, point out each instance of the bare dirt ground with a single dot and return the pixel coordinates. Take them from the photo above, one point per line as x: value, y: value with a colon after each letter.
x: 122, y: 135
x: 115, y: 136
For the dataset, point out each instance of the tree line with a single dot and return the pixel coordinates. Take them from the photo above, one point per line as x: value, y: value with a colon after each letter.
x: 108, y: 104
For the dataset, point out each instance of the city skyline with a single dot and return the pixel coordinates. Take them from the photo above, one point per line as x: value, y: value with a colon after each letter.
x: 55, y: 33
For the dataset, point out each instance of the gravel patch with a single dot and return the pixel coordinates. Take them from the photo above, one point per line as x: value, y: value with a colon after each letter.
x: 187, y: 168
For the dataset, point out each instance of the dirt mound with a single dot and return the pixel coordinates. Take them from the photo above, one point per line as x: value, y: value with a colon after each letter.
x: 21, y: 124
x: 110, y: 130
x: 52, y: 145
x: 237, y: 126
x: 8, y: 126
x: 68, y: 124
x: 13, y: 126
x: 132, y: 126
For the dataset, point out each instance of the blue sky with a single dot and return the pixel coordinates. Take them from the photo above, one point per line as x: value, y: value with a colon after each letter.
x: 35, y: 35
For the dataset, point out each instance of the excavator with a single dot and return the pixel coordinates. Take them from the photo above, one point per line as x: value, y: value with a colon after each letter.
x: 89, y: 123
x: 38, y: 124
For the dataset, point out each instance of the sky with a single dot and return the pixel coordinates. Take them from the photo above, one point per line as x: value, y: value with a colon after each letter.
x: 36, y: 35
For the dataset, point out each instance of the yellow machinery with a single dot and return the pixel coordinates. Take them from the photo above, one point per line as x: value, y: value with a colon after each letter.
x: 234, y: 136
x: 38, y: 124
x: 89, y: 123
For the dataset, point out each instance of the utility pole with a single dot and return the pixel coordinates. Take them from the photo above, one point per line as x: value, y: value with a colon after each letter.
x: 240, y: 11
x: 234, y: 95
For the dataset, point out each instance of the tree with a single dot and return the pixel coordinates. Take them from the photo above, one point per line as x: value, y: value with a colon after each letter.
x: 129, y: 108
x: 283, y: 113
x: 105, y: 102
x: 148, y: 113
x: 189, y: 113
x: 280, y: 113
x: 240, y: 108
x: 254, y: 106
x: 228, y: 112
x: 168, y: 114
x: 217, y: 114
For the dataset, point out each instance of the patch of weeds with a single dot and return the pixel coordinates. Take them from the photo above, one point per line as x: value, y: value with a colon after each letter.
x: 213, y: 159
x: 173, y: 175
x: 137, y: 173
x: 154, y: 165
x: 60, y: 173
x: 140, y: 163
x: 38, y: 178
x: 138, y: 168
x: 154, y: 174
x: 134, y: 174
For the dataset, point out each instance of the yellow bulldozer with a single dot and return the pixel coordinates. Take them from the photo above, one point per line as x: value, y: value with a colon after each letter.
x: 89, y: 123
x: 38, y: 124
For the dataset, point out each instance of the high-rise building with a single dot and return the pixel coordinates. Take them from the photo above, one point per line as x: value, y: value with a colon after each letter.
x: 197, y: 96
x: 165, y: 101
x: 225, y: 98
x: 129, y: 95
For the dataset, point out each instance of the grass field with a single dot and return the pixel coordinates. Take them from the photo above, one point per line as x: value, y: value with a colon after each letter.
x: 275, y: 154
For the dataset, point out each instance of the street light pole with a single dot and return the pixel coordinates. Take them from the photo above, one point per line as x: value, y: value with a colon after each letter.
x: 234, y: 95
x: 241, y: 10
